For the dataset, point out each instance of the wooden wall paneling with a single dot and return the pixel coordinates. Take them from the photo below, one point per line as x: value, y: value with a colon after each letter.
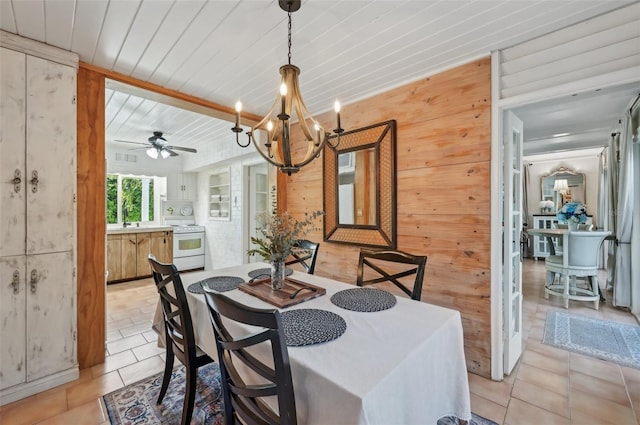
x: 443, y: 192
x: 91, y: 218
x: 460, y: 138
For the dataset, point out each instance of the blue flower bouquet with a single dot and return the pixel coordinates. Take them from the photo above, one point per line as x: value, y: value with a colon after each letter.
x: 572, y: 212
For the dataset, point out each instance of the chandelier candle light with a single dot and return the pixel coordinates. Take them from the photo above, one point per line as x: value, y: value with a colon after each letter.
x: 277, y: 149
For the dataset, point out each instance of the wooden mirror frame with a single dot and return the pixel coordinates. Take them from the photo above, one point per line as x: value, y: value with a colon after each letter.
x: 382, y: 138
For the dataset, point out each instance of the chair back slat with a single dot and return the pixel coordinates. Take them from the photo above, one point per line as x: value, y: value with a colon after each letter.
x: 243, y: 396
x: 307, y: 257
x: 175, y: 308
x: 386, y: 264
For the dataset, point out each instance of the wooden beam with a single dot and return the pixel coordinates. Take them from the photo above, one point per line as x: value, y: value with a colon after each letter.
x: 171, y: 97
x: 91, y: 221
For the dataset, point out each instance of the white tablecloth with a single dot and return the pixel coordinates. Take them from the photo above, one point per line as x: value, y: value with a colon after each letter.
x: 404, y: 365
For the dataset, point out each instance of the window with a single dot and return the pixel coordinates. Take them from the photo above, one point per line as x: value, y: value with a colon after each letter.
x: 132, y: 195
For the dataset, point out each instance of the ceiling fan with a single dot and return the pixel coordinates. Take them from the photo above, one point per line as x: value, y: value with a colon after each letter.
x: 158, y: 146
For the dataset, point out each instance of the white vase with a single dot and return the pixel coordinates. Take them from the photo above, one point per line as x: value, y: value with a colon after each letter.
x: 573, y: 226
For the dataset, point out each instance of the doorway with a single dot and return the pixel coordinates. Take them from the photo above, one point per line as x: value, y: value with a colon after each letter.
x: 562, y: 115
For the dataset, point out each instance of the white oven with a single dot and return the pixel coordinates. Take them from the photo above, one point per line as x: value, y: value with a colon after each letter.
x: 188, y: 246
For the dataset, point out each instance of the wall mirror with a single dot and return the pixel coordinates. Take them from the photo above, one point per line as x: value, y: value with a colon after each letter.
x: 576, y: 183
x: 359, y: 182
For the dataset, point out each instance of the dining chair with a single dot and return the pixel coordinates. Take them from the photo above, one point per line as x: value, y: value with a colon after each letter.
x: 244, y: 395
x: 180, y: 338
x: 386, y: 264
x: 307, y: 256
x: 579, y: 260
x: 581, y: 226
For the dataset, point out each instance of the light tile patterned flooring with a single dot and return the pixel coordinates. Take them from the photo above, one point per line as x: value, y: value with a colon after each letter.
x: 548, y: 386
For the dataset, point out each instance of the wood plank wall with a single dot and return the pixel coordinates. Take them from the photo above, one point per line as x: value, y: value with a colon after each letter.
x: 91, y: 218
x: 443, y: 192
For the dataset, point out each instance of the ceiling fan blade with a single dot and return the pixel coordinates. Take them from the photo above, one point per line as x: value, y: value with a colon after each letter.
x: 180, y: 148
x: 134, y: 143
x: 170, y: 151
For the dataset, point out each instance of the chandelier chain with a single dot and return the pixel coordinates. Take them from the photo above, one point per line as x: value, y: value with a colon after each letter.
x: 289, y: 14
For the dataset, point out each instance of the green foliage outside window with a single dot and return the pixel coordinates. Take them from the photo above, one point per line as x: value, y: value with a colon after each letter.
x: 131, y: 194
x: 112, y: 199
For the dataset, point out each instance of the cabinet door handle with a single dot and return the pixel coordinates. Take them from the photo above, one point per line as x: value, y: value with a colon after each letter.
x: 16, y: 282
x: 17, y: 179
x: 133, y: 242
x: 34, y: 281
x: 34, y: 181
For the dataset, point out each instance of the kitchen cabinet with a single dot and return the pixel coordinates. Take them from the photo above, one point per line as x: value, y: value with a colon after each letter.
x: 182, y: 187
x: 37, y: 218
x: 220, y: 195
x: 128, y: 252
x: 114, y: 257
x: 162, y: 246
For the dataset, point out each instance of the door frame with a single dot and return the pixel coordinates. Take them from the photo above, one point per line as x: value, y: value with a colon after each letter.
x: 498, y: 108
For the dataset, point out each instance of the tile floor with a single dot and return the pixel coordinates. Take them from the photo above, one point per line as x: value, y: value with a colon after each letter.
x: 548, y: 386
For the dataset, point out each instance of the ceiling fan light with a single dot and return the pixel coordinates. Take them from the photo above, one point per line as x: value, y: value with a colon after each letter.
x: 165, y: 154
x: 152, y: 153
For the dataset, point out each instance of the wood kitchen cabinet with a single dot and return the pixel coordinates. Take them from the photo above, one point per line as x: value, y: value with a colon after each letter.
x: 162, y: 246
x: 114, y: 257
x: 128, y: 253
x: 38, y: 348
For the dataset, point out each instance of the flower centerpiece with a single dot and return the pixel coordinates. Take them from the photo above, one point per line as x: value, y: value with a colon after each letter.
x: 546, y: 206
x: 572, y: 213
x: 279, y: 236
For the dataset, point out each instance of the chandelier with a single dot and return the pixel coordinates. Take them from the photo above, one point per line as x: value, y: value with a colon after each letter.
x: 277, y: 147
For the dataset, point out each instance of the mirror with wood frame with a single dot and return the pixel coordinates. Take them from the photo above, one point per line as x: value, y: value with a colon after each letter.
x: 359, y: 186
x: 575, y: 192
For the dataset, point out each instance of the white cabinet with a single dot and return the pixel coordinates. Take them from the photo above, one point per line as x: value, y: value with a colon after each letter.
x: 182, y: 187
x: 540, y: 243
x: 219, y: 195
x: 38, y: 348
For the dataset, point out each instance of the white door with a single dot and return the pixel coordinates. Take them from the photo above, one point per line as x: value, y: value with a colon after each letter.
x: 13, y: 179
x: 13, y: 292
x: 512, y: 227
x: 258, y: 201
x: 51, y: 156
x: 51, y: 317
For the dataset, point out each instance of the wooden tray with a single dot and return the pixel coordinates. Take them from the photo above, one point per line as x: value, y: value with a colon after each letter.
x: 261, y: 288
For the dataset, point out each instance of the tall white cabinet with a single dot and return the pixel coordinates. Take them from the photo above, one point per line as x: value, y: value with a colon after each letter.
x: 38, y: 309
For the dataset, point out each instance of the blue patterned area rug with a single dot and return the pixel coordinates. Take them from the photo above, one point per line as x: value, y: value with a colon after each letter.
x: 475, y: 420
x: 614, y: 342
x: 136, y: 403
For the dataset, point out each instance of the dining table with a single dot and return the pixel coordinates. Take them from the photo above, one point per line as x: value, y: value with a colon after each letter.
x: 401, y: 365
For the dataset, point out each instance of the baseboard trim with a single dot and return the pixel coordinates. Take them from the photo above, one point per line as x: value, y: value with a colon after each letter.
x: 20, y: 391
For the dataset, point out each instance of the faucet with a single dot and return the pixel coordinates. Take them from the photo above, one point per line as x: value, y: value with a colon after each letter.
x: 125, y: 215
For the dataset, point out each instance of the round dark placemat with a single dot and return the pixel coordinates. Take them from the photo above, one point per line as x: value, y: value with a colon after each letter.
x: 267, y: 272
x: 364, y: 299
x: 308, y: 326
x: 217, y: 283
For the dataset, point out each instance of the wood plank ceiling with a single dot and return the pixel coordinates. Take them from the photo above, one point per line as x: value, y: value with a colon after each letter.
x: 225, y: 50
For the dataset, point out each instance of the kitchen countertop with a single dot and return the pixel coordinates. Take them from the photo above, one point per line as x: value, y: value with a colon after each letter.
x: 141, y: 229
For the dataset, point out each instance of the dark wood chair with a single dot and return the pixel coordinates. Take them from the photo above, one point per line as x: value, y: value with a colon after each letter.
x: 306, y: 258
x: 180, y: 338
x: 243, y: 400
x: 378, y: 261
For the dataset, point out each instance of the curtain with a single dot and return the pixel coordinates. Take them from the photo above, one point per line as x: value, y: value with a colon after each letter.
x: 612, y: 188
x: 603, y: 202
x: 526, y: 219
x: 626, y: 288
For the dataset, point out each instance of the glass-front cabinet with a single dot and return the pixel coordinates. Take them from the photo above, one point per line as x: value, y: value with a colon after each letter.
x: 220, y: 195
x: 540, y: 243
